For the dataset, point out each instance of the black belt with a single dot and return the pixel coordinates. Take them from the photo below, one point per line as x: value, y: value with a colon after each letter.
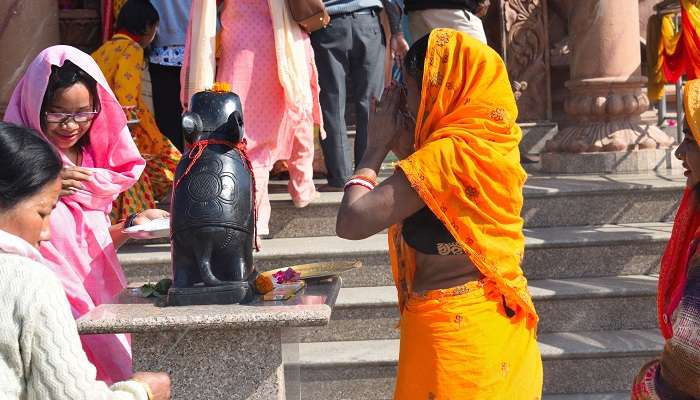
x: 373, y: 11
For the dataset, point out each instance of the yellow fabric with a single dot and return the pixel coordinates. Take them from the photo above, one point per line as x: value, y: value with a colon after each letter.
x: 661, y: 39
x: 692, y: 10
x: 292, y: 66
x: 117, y: 6
x: 121, y: 61
x: 691, y: 103
x: 464, y: 347
x: 678, y: 48
x: 466, y: 167
x: 655, y: 83
x: 199, y: 69
x: 669, y: 36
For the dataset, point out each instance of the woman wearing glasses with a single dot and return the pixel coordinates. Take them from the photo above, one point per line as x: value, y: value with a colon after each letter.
x: 64, y: 95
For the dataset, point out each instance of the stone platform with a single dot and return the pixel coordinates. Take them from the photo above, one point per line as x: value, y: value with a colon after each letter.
x: 593, y: 245
x: 219, y: 351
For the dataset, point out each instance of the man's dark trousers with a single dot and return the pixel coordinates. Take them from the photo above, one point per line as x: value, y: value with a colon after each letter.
x: 352, y: 45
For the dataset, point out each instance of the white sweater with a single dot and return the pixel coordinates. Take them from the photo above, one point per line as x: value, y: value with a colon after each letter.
x: 40, y: 352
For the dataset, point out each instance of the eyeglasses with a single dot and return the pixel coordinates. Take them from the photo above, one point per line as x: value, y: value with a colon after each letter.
x: 62, y: 118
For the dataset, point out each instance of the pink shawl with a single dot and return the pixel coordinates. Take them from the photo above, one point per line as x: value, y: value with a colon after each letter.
x: 81, y: 252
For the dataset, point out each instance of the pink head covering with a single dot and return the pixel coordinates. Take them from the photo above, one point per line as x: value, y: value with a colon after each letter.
x: 111, y: 150
x: 81, y: 252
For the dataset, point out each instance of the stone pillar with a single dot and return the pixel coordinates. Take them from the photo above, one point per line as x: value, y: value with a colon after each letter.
x: 526, y: 53
x: 606, y: 98
x: 26, y: 28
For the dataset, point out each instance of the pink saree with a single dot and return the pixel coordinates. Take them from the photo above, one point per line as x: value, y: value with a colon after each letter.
x: 81, y: 252
x: 269, y: 62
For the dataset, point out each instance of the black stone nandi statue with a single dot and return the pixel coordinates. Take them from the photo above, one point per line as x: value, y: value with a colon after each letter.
x: 212, y: 224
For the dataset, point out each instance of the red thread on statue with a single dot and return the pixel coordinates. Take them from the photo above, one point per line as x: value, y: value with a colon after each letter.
x: 196, y: 152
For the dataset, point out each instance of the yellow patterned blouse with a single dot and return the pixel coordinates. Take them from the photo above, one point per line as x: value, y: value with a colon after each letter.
x: 121, y: 60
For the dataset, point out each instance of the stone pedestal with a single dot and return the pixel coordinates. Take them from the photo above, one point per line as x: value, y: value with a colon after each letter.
x: 26, y: 28
x: 219, y: 364
x: 606, y: 99
x: 219, y: 351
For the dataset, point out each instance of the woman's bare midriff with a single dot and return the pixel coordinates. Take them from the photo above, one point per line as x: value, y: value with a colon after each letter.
x: 442, y: 272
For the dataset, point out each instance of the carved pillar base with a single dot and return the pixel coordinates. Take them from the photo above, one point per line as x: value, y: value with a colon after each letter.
x: 607, y: 113
x: 610, y: 162
x: 608, y: 135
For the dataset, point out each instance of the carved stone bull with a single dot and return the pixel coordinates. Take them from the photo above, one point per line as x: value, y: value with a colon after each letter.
x: 212, y: 211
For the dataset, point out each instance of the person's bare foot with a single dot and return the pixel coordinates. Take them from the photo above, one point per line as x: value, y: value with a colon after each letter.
x: 529, y: 159
x: 304, y: 203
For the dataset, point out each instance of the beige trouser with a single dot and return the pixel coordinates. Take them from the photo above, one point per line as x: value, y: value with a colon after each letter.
x: 420, y: 23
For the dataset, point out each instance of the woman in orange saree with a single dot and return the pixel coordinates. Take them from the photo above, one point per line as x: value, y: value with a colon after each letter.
x: 676, y: 373
x: 468, y: 325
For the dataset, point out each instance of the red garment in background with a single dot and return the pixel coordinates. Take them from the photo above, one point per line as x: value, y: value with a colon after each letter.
x: 686, y: 58
x: 107, y: 18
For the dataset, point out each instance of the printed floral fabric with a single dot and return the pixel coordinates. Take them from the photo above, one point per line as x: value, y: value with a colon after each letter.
x: 122, y: 61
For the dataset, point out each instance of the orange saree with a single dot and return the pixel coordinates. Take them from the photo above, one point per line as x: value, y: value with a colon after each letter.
x: 477, y: 341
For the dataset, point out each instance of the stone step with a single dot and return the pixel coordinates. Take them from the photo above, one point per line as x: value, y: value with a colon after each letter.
x: 574, y: 363
x: 586, y: 396
x: 551, y: 253
x: 567, y: 305
x: 589, y: 396
x: 550, y: 200
x: 535, y: 136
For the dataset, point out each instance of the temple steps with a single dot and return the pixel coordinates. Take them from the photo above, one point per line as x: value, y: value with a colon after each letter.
x: 565, y: 305
x: 589, y: 396
x: 550, y: 253
x: 534, y: 139
x: 550, y: 200
x: 593, y: 245
x: 581, y: 362
x: 535, y: 136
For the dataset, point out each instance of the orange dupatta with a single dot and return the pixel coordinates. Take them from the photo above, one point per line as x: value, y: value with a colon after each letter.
x: 466, y: 167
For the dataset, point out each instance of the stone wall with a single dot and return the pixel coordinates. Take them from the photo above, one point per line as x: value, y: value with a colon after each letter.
x: 26, y: 28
